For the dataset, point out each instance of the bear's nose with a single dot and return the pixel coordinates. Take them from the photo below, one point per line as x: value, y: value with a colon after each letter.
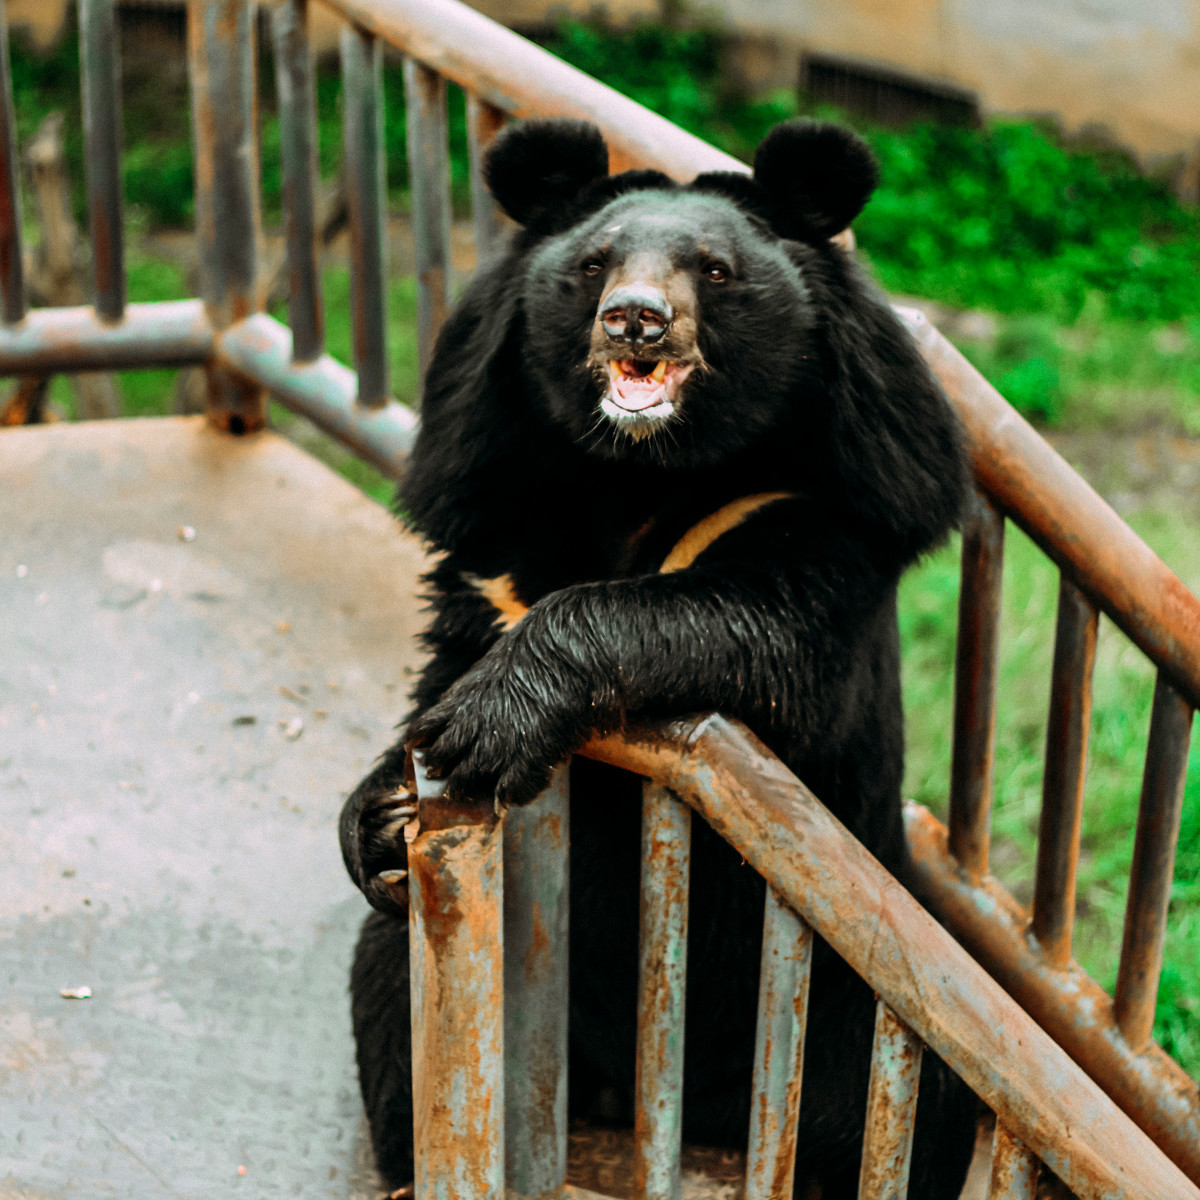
x: 636, y: 313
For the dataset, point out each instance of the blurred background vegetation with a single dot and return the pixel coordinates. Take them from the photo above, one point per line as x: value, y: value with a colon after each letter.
x: 1067, y: 277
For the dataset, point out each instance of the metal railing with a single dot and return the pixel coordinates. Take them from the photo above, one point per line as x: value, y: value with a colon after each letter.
x: 1047, y: 1106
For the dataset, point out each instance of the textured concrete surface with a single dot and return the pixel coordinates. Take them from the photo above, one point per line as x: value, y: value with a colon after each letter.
x: 179, y: 721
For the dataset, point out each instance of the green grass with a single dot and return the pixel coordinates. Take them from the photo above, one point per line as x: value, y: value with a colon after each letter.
x: 1124, y: 683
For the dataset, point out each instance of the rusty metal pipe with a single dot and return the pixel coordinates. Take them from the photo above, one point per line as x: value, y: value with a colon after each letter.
x: 456, y: 955
x: 429, y: 176
x: 298, y: 154
x: 932, y: 984
x: 512, y: 74
x: 975, y: 663
x: 221, y: 67
x: 100, y: 66
x: 662, y: 972
x: 1065, y: 1001
x: 324, y: 391
x: 12, y: 271
x: 536, y: 841
x: 1150, y: 877
x: 51, y: 340
x: 1071, y: 523
x: 1066, y: 764
x: 891, y: 1108
x: 484, y: 122
x: 778, y: 1052
x: 366, y: 183
x: 1015, y: 1171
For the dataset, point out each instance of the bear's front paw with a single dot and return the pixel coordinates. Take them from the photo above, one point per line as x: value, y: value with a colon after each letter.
x: 384, y: 826
x: 496, y: 735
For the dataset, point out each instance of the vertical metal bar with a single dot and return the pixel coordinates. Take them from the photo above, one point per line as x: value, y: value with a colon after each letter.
x: 1014, y: 1168
x: 12, y: 272
x: 891, y: 1108
x: 100, y: 66
x: 975, y: 686
x: 484, y: 122
x: 456, y: 954
x: 662, y: 972
x: 1066, y: 764
x: 778, y: 1052
x: 429, y: 174
x: 536, y: 839
x: 221, y: 60
x: 362, y: 99
x: 1153, y: 864
x: 298, y: 152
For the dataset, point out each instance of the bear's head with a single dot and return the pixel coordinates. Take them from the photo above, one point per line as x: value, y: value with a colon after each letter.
x: 675, y: 324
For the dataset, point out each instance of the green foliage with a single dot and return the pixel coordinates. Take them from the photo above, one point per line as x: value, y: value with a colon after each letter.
x: 1007, y: 218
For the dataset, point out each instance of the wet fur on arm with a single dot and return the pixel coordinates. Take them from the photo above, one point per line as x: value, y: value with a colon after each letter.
x: 757, y: 639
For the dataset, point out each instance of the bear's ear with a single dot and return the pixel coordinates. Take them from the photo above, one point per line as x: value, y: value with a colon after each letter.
x: 818, y: 177
x: 538, y: 168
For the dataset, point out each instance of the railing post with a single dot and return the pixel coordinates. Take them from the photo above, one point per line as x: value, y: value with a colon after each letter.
x: 536, y: 841
x: 221, y: 52
x: 12, y: 271
x: 362, y: 99
x: 298, y: 153
x: 1066, y: 764
x: 456, y: 955
x: 429, y: 174
x: 778, y: 1052
x: 975, y: 686
x: 662, y: 976
x: 484, y: 122
x: 1150, y: 878
x: 100, y: 58
x: 891, y: 1108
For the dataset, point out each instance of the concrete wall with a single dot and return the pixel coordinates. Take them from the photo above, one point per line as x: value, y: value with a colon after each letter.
x: 1129, y: 69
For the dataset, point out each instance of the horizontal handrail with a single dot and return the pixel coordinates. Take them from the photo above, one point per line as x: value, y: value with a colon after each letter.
x: 1039, y: 490
x: 51, y: 340
x: 511, y: 73
x: 260, y: 349
x: 821, y: 871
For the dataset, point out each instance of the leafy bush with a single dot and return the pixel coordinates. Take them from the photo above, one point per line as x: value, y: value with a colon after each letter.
x: 1005, y: 217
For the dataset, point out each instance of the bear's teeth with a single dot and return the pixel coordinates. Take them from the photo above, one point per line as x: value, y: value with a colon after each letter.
x: 660, y: 371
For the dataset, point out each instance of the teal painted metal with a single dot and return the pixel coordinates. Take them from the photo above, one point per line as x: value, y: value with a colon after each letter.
x: 100, y: 64
x: 362, y: 108
x: 483, y: 123
x: 536, y: 842
x: 891, y: 1108
x: 1015, y: 1171
x: 662, y: 971
x: 324, y: 391
x: 456, y: 955
x: 49, y: 340
x: 778, y: 1052
x: 1150, y: 878
x: 429, y: 175
x: 12, y: 272
x: 296, y: 89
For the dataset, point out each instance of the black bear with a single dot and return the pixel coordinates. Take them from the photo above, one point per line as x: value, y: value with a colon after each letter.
x: 676, y: 451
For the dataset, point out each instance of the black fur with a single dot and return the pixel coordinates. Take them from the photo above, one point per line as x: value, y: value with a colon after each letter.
x: 804, y: 382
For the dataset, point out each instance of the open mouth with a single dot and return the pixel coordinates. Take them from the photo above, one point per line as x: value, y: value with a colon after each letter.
x: 642, y: 391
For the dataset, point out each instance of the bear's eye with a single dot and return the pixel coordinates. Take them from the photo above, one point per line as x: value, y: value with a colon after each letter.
x: 592, y: 266
x: 715, y: 272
